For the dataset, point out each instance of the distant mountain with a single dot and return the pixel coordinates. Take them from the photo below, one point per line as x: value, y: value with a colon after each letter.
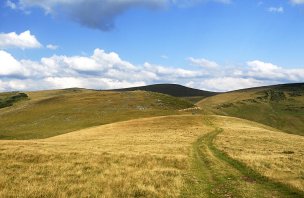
x: 279, y: 106
x: 172, y: 89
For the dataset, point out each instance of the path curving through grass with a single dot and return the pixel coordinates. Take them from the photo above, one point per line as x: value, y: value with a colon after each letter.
x: 218, y: 175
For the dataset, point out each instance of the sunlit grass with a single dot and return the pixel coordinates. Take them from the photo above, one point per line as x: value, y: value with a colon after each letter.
x: 274, y: 154
x: 140, y: 158
x: 50, y: 113
x: 281, y: 107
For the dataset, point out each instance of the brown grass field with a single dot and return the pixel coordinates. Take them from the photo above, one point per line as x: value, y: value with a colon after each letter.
x: 152, y: 157
x: 140, y: 158
x: 86, y: 143
x: 272, y: 153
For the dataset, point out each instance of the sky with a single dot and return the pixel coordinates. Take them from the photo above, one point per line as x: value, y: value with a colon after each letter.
x: 217, y: 45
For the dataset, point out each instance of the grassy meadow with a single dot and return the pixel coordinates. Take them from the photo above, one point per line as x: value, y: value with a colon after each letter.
x: 280, y: 106
x: 272, y: 153
x: 168, y: 156
x: 87, y: 143
x: 49, y: 113
x: 139, y: 158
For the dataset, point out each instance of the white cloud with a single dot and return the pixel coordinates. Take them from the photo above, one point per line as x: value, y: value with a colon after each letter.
x: 297, y: 1
x: 23, y: 40
x: 171, y: 73
x: 100, y: 70
x: 107, y: 70
x: 269, y: 71
x: 229, y: 83
x: 100, y: 14
x: 264, y: 70
x: 256, y: 73
x: 202, y: 62
x: 111, y: 60
x: 276, y: 9
x: 9, y: 65
x: 97, y: 83
x: 52, y: 47
x: 81, y: 63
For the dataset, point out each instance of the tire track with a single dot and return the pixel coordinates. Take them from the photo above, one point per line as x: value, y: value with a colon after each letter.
x: 218, y: 175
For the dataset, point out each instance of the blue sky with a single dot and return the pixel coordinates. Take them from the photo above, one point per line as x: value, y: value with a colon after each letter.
x: 208, y: 44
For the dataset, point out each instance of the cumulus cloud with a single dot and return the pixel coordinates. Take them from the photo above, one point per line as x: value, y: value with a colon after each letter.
x: 101, y: 70
x: 9, y: 65
x: 276, y: 9
x: 107, y: 70
x: 173, y: 75
x: 229, y: 83
x: 269, y: 71
x: 23, y: 40
x: 202, y: 62
x: 252, y: 74
x: 64, y: 82
x: 100, y: 14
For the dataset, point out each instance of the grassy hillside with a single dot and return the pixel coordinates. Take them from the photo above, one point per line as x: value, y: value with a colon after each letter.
x: 50, y: 113
x: 280, y: 106
x: 139, y: 158
x: 274, y: 154
x: 160, y: 149
x: 170, y: 156
x: 174, y: 90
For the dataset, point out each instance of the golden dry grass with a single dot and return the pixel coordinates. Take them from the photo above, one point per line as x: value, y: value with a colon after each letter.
x: 272, y: 153
x: 139, y: 158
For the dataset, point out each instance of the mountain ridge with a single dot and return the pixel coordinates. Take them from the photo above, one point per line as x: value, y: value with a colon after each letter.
x: 171, y: 89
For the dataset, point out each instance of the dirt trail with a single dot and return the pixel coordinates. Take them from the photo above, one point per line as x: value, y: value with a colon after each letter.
x: 218, y: 175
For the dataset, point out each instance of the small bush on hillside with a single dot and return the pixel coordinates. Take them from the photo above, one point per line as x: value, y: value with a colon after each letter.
x: 10, y: 100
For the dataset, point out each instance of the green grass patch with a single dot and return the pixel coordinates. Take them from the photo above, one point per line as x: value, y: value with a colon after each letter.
x: 9, y: 99
x: 53, y: 113
x: 281, y: 107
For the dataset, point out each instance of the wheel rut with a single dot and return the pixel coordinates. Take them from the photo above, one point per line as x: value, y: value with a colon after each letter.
x: 215, y: 174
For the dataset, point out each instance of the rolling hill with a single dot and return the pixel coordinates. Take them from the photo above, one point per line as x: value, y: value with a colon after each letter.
x: 190, y: 94
x: 279, y: 106
x: 48, y: 113
x: 167, y: 156
x: 139, y: 143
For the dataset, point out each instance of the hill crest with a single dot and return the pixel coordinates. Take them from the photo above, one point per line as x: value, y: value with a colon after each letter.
x: 171, y: 89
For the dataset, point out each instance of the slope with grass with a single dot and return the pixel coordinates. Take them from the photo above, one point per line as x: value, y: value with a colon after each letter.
x: 169, y: 156
x: 280, y: 106
x: 50, y: 113
x: 183, y: 153
x: 139, y: 158
x: 271, y: 153
x: 190, y: 94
